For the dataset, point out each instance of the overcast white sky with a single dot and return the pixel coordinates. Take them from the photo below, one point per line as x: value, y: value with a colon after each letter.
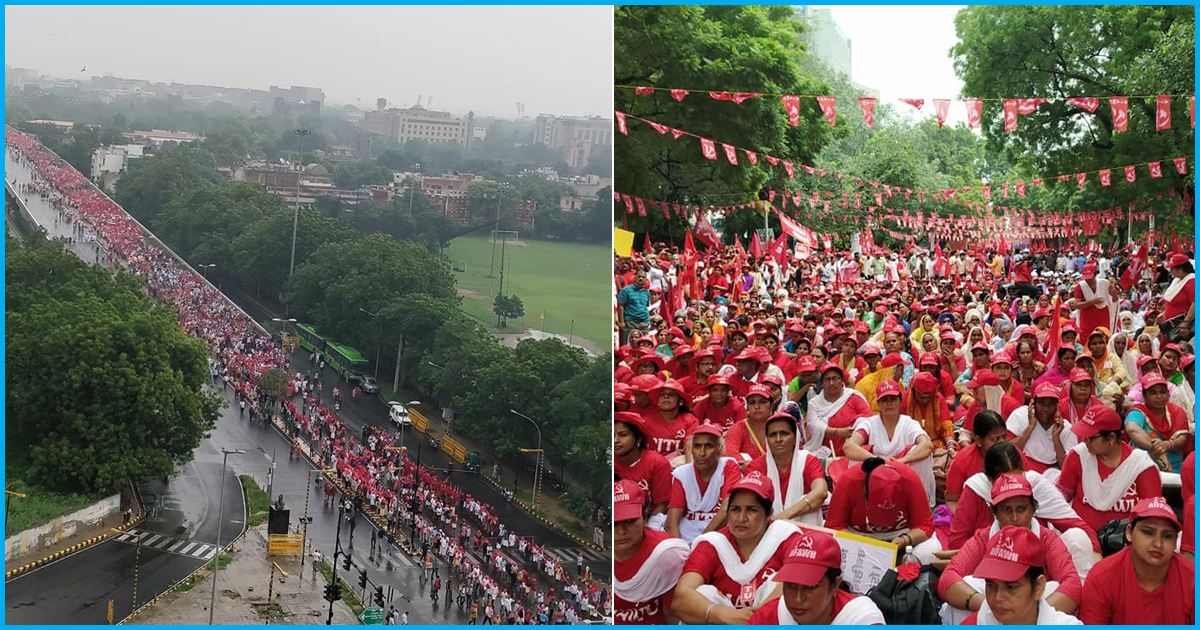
x: 556, y: 60
x: 904, y: 52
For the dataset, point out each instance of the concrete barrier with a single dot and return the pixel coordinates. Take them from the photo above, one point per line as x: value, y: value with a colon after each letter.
x: 51, y: 533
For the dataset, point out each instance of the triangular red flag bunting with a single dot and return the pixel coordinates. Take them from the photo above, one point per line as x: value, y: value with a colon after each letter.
x: 974, y: 111
x: 659, y: 127
x: 1120, y: 112
x: 790, y: 171
x: 641, y: 206
x: 742, y: 97
x: 721, y: 96
x: 1180, y: 165
x: 1010, y: 114
x: 1081, y: 177
x: 792, y: 105
x: 987, y: 193
x: 1020, y: 189
x: 1130, y: 174
x: 1026, y: 106
x: 730, y: 153
x: 666, y: 210
x: 1162, y: 116
x: 1004, y: 190
x: 643, y: 91
x: 915, y: 102
x: 828, y: 107
x: 868, y: 107
x: 676, y: 133
x: 942, y: 107
x: 771, y: 196
x: 1105, y: 177
x: 621, y: 124
x: 679, y: 94
x: 1155, y: 169
x: 710, y: 149
x: 628, y: 203
x: 771, y: 159
x: 1089, y: 103
x: 752, y: 156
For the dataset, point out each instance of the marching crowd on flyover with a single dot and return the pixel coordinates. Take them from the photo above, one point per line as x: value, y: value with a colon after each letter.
x: 499, y: 591
x: 1015, y: 426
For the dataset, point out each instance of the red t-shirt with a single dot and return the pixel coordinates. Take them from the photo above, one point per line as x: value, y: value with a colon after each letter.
x: 738, y: 441
x: 651, y: 472
x: 693, y: 388
x: 812, y: 471
x: 668, y: 438
x: 848, y: 506
x: 973, y: 514
x: 1090, y: 317
x: 1104, y: 600
x: 649, y: 612
x: 966, y: 463
x: 705, y: 562
x: 768, y: 613
x: 1056, y: 558
x: 1147, y: 484
x: 1182, y: 302
x: 732, y: 473
x: 853, y: 409
x: 724, y: 417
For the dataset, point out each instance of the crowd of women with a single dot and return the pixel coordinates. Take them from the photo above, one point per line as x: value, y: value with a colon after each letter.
x: 377, y: 480
x: 1019, y: 426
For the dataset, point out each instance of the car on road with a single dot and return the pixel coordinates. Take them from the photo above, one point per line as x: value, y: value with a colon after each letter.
x: 399, y: 414
x: 370, y: 385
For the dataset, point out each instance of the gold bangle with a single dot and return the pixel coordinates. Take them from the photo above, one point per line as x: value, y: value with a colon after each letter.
x: 706, y: 613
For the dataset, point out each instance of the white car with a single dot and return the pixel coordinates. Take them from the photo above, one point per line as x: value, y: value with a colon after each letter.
x: 399, y: 414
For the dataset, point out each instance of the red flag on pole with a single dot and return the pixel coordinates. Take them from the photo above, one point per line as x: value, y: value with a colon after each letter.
x: 741, y: 251
x: 646, y: 247
x: 756, y: 247
x: 779, y: 249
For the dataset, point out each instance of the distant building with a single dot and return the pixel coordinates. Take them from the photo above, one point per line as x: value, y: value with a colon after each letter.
x: 159, y: 137
x: 296, y: 100
x: 314, y: 183
x: 62, y: 124
x: 109, y: 163
x: 419, y: 123
x: 479, y: 133
x: 18, y: 77
x: 829, y: 44
x: 573, y: 136
x: 570, y: 203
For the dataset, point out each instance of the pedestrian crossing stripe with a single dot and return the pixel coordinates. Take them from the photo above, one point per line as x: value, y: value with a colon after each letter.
x: 151, y: 540
x: 568, y: 555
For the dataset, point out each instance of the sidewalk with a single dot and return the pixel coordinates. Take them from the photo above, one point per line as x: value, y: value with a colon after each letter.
x: 242, y: 596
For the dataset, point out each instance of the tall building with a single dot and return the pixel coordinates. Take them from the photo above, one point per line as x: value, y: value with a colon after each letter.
x: 296, y: 100
x: 419, y: 123
x: 573, y: 136
x: 829, y: 44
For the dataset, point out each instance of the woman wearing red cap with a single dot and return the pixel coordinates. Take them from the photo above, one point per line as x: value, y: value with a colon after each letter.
x: 720, y: 408
x: 699, y: 489
x: 932, y: 365
x: 1027, y: 368
x: 668, y: 426
x: 1179, y: 300
x: 1077, y: 397
x: 1002, y: 367
x: 1159, y: 427
x: 635, y: 463
x: 988, y: 429
x: 884, y: 500
x: 852, y: 365
x: 728, y: 574
x: 893, y: 436
x: 1148, y: 582
x: 928, y: 408
x: 796, y: 475
x: 1040, y: 431
x: 1093, y: 298
x: 1013, y: 570
x: 647, y: 563
x: 1103, y: 476
x: 813, y: 591
x: 833, y: 413
x: 986, y: 393
x: 747, y: 439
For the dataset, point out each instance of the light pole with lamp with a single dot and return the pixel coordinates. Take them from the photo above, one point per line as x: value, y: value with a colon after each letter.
x: 537, y: 474
x: 440, y: 367
x: 378, y: 340
x: 137, y: 564
x: 303, y: 133
x: 220, y: 517
x: 307, y: 519
x: 206, y: 268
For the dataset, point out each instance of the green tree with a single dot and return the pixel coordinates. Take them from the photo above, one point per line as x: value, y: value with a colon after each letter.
x: 508, y: 307
x: 262, y: 253
x: 202, y: 224
x: 361, y: 173
x: 151, y: 183
x: 274, y: 383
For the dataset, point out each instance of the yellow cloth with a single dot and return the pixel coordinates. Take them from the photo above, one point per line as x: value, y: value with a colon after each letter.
x: 866, y: 386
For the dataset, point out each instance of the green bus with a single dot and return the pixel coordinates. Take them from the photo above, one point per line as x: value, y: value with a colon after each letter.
x: 344, y: 360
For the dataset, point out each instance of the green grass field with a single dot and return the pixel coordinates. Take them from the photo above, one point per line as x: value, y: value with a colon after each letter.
x: 566, y: 280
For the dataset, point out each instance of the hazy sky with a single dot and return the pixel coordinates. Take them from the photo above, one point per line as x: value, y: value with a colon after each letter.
x: 556, y: 60
x: 904, y: 52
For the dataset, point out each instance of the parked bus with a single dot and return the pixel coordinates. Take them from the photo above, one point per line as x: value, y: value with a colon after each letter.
x: 344, y: 360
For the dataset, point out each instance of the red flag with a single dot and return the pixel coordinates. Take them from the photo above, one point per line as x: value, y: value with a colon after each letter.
x: 942, y: 107
x: 1155, y: 169
x: 1162, y: 116
x: 621, y: 124
x: 1130, y: 173
x: 868, y: 107
x: 646, y: 247
x: 643, y: 91
x: 1089, y: 103
x: 689, y: 249
x: 1026, y: 106
x: 1176, y: 247
x: 710, y: 149
x: 1010, y: 114
x: 679, y: 94
x: 756, y: 247
x: 792, y: 105
x: 1081, y: 177
x: 1120, y: 112
x: 641, y: 206
x: 1180, y: 165
x: 1020, y: 189
x: 779, y: 248
x: 706, y: 233
x: 915, y: 102
x: 1137, y: 263
x: 987, y: 193
x: 730, y: 153
x: 828, y: 107
x: 752, y: 156
x: 974, y: 111
x: 628, y: 203
x: 741, y: 251
x: 1105, y: 177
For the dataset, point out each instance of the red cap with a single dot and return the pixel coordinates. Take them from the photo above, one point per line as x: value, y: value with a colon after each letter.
x: 795, y: 327
x: 628, y: 500
x: 771, y: 378
x: 1097, y: 418
x: 749, y: 354
x: 645, y: 383
x: 707, y: 352
x: 884, y: 493
x: 1080, y: 375
x: 1010, y: 485
x: 1186, y: 361
x: 924, y: 383
x: 683, y: 350
x: 718, y: 379
x: 757, y: 483
x: 1154, y: 507
x: 1041, y: 312
x: 892, y: 359
x: 631, y: 418
x: 707, y: 428
x: 782, y: 415
x: 1177, y: 260
x: 649, y: 357
x: 982, y: 346
x: 671, y: 385
x: 887, y: 388
x: 930, y: 358
x: 1010, y: 553
x: 759, y: 390
x: 1171, y: 346
x: 813, y: 554
x: 1002, y: 357
x: 806, y: 364
x: 764, y: 355
x: 983, y: 378
x: 947, y: 334
x: 830, y: 365
x: 1150, y: 379
x: 1089, y: 271
x: 1045, y: 390
x: 1144, y: 359
x: 1069, y: 326
x: 741, y: 332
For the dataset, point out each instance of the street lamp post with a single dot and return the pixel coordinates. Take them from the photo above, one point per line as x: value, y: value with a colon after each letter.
x: 206, y: 268
x: 378, y: 339
x: 220, y: 517
x: 303, y: 133
x: 537, y: 474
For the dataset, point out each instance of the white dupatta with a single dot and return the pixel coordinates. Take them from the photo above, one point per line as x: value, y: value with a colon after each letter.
x: 1103, y: 495
x: 860, y: 611
x: 1101, y: 291
x: 795, y: 486
x: 744, y: 572
x: 659, y: 574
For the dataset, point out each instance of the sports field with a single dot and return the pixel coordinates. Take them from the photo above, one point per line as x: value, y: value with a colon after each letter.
x: 566, y: 280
